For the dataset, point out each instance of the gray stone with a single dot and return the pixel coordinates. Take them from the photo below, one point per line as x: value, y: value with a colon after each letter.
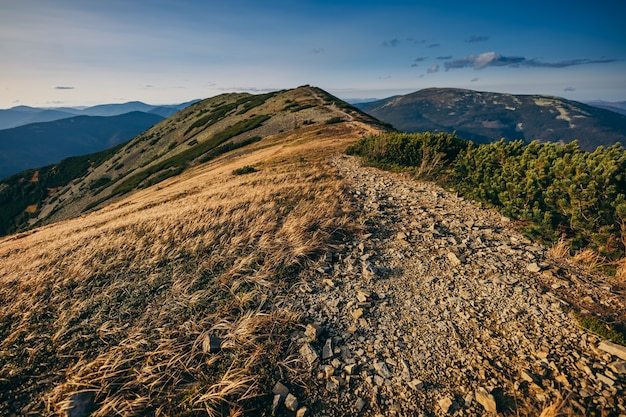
x: 533, y: 267
x: 605, y: 380
x: 291, y: 402
x: 81, y: 404
x: 416, y: 384
x: 613, y: 349
x: 313, y: 331
x: 445, y: 404
x: 406, y: 371
x: 276, y: 403
x: 619, y: 367
x: 382, y: 370
x: 280, y: 389
x: 454, y: 259
x: 359, y: 404
x: 327, y: 350
x: 308, y: 353
x: 357, y: 313
x: 486, y: 400
x: 211, y: 344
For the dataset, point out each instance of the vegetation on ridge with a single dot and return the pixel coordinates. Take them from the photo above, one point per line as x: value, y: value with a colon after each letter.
x: 558, y: 190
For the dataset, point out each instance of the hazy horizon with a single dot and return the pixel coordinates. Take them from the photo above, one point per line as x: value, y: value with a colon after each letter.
x: 84, y: 53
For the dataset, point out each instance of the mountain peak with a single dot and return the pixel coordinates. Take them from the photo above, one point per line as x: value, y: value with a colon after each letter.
x: 201, y: 132
x: 487, y: 117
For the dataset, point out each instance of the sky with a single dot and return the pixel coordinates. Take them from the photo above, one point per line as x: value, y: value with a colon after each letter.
x: 84, y: 52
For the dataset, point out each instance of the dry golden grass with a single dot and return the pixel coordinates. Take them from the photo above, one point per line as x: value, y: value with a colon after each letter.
x: 560, y: 250
x: 554, y: 410
x: 120, y: 302
x: 620, y: 272
x: 589, y: 259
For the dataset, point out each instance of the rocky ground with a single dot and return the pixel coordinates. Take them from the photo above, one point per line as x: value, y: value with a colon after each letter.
x: 442, y: 308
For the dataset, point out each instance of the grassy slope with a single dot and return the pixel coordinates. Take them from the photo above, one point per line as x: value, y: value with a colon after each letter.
x: 121, y: 303
x: 193, y: 136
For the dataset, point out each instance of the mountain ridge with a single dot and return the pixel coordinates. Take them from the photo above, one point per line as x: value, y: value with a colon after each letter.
x: 200, y: 132
x: 22, y: 115
x: 487, y: 117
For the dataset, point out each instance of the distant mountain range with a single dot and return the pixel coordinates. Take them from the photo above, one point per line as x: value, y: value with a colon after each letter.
x: 22, y: 115
x: 486, y: 117
x: 616, y: 106
x: 39, y: 144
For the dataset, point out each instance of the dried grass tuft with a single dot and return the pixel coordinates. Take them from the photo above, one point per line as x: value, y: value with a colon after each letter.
x: 589, y: 259
x: 620, y: 272
x: 554, y: 410
x: 560, y: 250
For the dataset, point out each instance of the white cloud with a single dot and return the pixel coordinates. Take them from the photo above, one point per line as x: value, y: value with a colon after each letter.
x: 433, y: 69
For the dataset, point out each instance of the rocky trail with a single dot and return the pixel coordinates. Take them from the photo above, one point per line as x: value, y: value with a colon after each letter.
x: 442, y: 308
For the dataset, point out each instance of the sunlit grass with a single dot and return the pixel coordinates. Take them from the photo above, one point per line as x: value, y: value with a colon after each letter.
x: 120, y: 302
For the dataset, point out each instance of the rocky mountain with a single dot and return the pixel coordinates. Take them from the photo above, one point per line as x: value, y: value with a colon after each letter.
x: 198, y: 133
x: 233, y: 261
x: 23, y: 115
x: 38, y: 144
x: 486, y: 117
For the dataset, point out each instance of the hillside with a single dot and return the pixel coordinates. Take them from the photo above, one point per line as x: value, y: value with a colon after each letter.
x: 487, y: 117
x: 39, y: 144
x: 197, y: 134
x: 305, y: 283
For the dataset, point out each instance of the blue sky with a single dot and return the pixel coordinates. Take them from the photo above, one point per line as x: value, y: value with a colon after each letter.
x: 85, y: 52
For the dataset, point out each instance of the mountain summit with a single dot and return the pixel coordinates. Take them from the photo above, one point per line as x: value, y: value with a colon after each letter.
x: 487, y: 117
x: 199, y: 133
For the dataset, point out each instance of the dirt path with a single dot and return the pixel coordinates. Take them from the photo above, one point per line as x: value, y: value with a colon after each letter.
x: 439, y: 309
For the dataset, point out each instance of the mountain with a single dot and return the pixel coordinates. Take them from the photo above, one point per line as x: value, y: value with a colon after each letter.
x: 40, y: 144
x: 199, y: 133
x: 616, y: 106
x: 270, y: 272
x: 22, y: 115
x: 486, y: 117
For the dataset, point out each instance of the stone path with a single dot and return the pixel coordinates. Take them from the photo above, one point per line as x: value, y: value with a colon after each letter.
x: 438, y: 309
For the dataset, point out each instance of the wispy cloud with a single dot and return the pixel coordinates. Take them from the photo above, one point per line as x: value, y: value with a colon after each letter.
x: 318, y: 50
x: 391, y: 43
x: 493, y: 59
x: 569, y: 89
x: 416, y: 41
x: 252, y: 90
x: 432, y: 69
x: 434, y: 45
x: 418, y: 59
x: 62, y: 87
x: 475, y: 39
x: 445, y: 57
x: 473, y: 80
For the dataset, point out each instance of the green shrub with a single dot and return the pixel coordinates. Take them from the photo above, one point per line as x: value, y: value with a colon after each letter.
x: 604, y: 330
x: 558, y: 189
x: 334, y: 120
x: 247, y: 169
